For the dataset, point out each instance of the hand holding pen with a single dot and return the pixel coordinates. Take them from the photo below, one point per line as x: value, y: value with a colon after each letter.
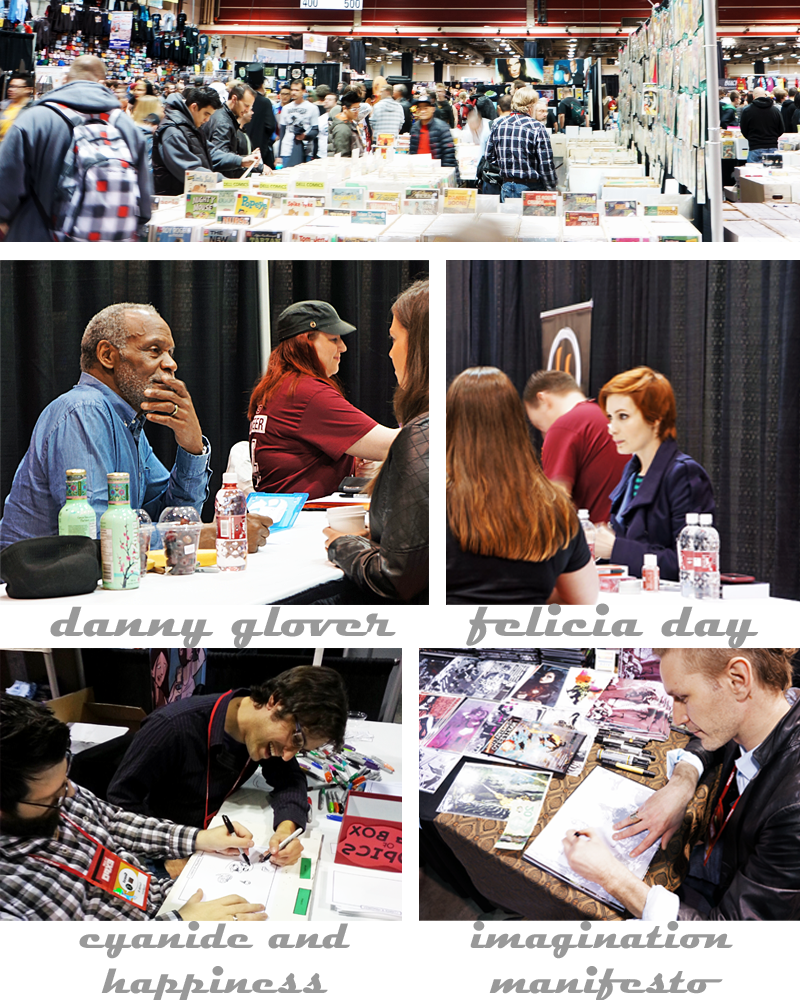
x: 284, y: 849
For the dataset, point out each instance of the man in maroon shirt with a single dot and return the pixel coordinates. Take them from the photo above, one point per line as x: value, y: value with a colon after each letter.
x: 578, y: 451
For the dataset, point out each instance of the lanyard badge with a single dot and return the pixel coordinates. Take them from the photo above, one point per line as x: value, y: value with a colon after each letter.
x: 120, y: 878
x: 108, y: 871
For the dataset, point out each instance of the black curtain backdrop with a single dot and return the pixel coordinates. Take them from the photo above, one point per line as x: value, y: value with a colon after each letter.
x: 724, y: 332
x: 213, y: 310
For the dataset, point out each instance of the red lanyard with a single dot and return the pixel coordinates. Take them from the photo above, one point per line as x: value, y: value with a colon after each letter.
x: 66, y: 868
x: 109, y: 872
x: 207, y: 817
x: 719, y: 821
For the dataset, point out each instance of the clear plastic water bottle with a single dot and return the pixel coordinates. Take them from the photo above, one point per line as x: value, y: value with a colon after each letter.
x: 231, y: 510
x: 686, y: 545
x: 706, y: 561
x: 588, y: 529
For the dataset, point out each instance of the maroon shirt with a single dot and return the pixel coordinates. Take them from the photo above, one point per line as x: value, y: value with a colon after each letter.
x: 578, y: 451
x: 299, y: 440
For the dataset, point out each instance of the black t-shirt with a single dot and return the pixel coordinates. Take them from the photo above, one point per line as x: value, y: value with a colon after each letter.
x: 473, y: 579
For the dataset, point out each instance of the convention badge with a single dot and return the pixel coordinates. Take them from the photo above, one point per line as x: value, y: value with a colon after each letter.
x: 120, y: 878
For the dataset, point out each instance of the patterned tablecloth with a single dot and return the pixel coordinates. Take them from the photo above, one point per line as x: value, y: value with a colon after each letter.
x: 507, y: 879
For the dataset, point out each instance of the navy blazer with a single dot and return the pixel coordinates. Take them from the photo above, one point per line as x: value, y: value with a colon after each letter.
x: 673, y: 486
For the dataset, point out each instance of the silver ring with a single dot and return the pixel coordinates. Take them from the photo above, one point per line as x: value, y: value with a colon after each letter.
x: 634, y: 816
x: 175, y: 411
x: 236, y: 916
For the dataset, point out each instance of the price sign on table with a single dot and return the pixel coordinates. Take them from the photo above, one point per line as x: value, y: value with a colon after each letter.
x: 331, y: 4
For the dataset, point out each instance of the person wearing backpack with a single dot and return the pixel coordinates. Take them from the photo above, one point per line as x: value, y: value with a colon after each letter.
x: 50, y: 191
x: 570, y: 112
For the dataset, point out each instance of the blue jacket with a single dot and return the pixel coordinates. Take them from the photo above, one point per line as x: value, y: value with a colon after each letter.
x: 32, y: 155
x: 674, y: 486
x: 91, y: 427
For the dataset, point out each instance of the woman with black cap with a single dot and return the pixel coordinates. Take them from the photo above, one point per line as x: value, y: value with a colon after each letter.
x: 304, y: 435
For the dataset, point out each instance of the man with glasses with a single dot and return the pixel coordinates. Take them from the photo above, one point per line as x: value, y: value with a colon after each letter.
x: 65, y: 854
x: 189, y: 756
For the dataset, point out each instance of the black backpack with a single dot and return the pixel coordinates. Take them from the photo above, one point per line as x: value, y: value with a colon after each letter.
x: 577, y: 112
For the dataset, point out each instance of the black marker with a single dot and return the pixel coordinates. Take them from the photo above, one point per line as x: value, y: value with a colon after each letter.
x: 230, y: 829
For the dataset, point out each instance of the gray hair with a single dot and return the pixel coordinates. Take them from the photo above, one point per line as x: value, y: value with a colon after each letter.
x: 523, y: 99
x: 109, y: 324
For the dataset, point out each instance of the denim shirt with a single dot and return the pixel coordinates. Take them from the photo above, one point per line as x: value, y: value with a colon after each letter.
x: 91, y: 427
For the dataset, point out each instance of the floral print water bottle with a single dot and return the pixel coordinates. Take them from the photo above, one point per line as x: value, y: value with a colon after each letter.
x: 119, y: 536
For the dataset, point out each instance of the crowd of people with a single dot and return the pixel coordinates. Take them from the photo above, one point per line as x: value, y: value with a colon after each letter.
x: 513, y: 531
x: 304, y: 437
x: 158, y: 131
x: 763, y: 117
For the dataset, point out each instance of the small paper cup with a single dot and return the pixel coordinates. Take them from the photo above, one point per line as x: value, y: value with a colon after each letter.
x: 349, y: 520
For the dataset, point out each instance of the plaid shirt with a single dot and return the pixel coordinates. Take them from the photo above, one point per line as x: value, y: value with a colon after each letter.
x: 34, y: 890
x: 520, y: 146
x: 387, y: 117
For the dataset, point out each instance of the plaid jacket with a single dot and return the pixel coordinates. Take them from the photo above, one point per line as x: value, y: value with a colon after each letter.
x: 34, y: 890
x: 520, y: 146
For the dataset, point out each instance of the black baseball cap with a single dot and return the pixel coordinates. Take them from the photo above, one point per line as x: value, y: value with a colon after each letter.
x: 311, y: 316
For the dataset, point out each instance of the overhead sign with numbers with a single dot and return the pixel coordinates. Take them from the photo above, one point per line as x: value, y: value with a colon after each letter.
x: 331, y: 4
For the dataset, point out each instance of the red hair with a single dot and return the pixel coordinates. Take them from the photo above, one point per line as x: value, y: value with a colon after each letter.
x: 294, y: 358
x: 651, y: 392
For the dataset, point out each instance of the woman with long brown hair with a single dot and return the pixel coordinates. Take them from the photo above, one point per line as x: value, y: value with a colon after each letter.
x: 392, y: 563
x: 304, y: 435
x: 513, y: 536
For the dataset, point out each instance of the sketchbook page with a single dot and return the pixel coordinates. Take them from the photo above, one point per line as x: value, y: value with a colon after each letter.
x: 285, y: 892
x: 602, y: 800
x: 369, y: 894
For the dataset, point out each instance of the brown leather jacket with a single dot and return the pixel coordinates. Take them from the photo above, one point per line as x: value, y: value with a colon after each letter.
x: 760, y: 877
x: 393, y: 561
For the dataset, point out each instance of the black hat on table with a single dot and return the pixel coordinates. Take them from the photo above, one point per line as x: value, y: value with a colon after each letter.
x: 57, y: 566
x: 311, y: 316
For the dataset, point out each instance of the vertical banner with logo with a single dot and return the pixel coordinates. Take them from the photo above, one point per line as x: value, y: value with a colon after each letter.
x: 567, y: 341
x: 121, y: 27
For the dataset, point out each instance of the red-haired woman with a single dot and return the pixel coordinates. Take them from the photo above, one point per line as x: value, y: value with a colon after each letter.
x: 392, y: 563
x: 513, y: 536
x: 660, y: 485
x: 304, y: 435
